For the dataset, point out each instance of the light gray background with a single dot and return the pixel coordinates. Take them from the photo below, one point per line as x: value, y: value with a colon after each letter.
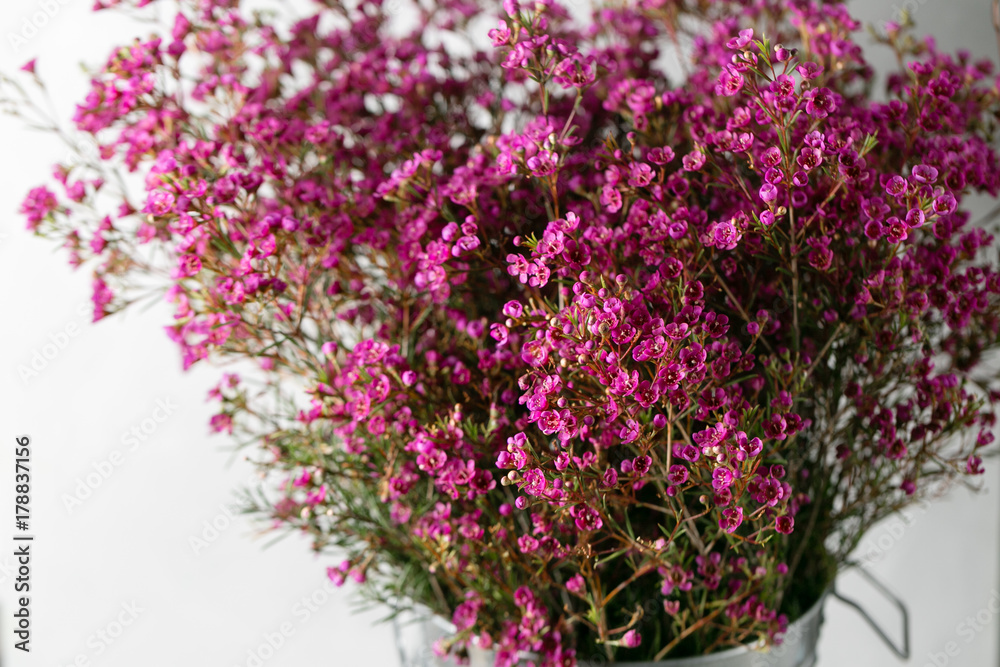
x: 129, y: 542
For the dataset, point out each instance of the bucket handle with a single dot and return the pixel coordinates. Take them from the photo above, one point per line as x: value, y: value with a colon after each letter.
x: 904, y: 651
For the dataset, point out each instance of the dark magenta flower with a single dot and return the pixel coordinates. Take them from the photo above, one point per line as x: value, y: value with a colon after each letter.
x: 731, y: 519
x: 923, y: 173
x: 896, y: 186
x: 809, y: 70
x: 37, y: 205
x: 534, y: 482
x: 741, y: 40
x: 631, y: 639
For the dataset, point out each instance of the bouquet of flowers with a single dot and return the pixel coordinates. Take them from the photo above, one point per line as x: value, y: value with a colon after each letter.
x: 602, y: 336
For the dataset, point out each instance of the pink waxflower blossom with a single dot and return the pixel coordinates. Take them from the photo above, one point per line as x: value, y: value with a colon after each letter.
x: 513, y: 309
x: 677, y: 474
x: 809, y: 70
x: 923, y: 173
x: 527, y: 544
x: 768, y: 193
x: 631, y: 639
x: 660, y: 155
x: 500, y: 35
x: 641, y: 465
x: 726, y: 235
x: 101, y: 298
x: 576, y: 585
x: 534, y: 482
x: 820, y: 102
x: 160, y: 202
x: 721, y: 478
x: 587, y: 518
x: 731, y: 519
x: 741, y: 40
x: 896, y: 186
x: 730, y: 82
x: 39, y: 203
x: 630, y: 431
x: 693, y: 161
x: 338, y: 574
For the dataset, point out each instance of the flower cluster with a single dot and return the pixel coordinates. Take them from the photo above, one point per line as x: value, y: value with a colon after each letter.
x: 633, y: 361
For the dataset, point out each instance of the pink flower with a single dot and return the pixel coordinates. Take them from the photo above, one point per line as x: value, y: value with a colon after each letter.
x: 338, y: 574
x: 576, y: 585
x: 730, y: 82
x: 101, y: 297
x: 465, y: 614
x: 974, y: 466
x: 544, y: 164
x: 896, y: 186
x: 630, y: 431
x: 500, y: 35
x: 923, y: 173
x: 820, y: 102
x: 725, y: 235
x: 534, y: 482
x: 721, y: 478
x: 768, y: 193
x: 741, y: 40
x: 587, y: 518
x: 641, y: 465
x: 809, y: 70
x: 37, y: 205
x: 631, y: 639
x: 160, y: 202
x: 677, y: 474
x: 513, y: 309
x: 896, y: 230
x: 731, y: 519
x: 221, y: 423
x: 527, y: 544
